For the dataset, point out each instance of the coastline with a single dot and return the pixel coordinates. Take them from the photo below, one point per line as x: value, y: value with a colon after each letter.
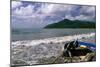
x: 37, y: 51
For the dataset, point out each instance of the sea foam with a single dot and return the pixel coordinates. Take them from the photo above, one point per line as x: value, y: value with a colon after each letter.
x: 51, y: 40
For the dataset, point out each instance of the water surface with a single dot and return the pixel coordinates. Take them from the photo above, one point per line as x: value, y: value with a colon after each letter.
x: 35, y: 34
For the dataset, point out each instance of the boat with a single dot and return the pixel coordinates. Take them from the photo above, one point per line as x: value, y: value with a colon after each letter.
x: 85, y: 52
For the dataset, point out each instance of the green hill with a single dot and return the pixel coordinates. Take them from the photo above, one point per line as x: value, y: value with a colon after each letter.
x: 72, y: 24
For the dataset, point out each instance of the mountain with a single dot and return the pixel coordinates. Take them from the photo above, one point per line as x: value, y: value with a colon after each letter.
x: 66, y: 23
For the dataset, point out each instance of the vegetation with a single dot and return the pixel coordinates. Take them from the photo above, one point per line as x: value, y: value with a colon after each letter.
x: 72, y: 24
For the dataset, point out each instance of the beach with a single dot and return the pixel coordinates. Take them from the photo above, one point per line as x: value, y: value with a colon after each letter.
x: 30, y: 52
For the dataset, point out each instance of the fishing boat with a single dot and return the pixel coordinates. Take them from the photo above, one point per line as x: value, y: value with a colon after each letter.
x: 77, y: 51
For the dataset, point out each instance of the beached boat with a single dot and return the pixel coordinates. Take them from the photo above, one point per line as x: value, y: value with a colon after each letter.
x: 84, y: 53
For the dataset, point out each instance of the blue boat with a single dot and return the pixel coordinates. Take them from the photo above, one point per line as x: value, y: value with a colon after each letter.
x: 85, y: 50
x: 91, y: 45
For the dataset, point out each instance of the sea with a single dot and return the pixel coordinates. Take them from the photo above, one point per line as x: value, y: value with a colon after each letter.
x: 36, y: 34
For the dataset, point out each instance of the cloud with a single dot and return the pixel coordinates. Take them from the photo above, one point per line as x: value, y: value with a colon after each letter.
x: 82, y: 17
x: 24, y: 11
x: 16, y: 4
x: 40, y: 14
x: 84, y: 13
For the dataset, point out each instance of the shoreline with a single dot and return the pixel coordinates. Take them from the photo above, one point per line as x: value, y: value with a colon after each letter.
x: 31, y: 53
x: 53, y: 40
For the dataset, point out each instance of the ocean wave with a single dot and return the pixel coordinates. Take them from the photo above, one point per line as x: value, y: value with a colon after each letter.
x: 52, y: 40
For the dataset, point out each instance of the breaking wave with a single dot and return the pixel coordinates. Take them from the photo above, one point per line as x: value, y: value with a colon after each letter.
x: 51, y: 40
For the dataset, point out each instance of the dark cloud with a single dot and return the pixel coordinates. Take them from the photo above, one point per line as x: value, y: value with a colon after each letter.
x: 33, y: 14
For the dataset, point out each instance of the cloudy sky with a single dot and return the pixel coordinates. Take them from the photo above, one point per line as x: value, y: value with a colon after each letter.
x: 26, y: 14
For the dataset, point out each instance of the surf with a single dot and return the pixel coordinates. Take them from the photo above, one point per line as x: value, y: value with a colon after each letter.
x: 52, y: 40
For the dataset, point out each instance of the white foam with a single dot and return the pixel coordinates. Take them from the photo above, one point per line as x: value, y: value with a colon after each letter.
x: 52, y: 40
